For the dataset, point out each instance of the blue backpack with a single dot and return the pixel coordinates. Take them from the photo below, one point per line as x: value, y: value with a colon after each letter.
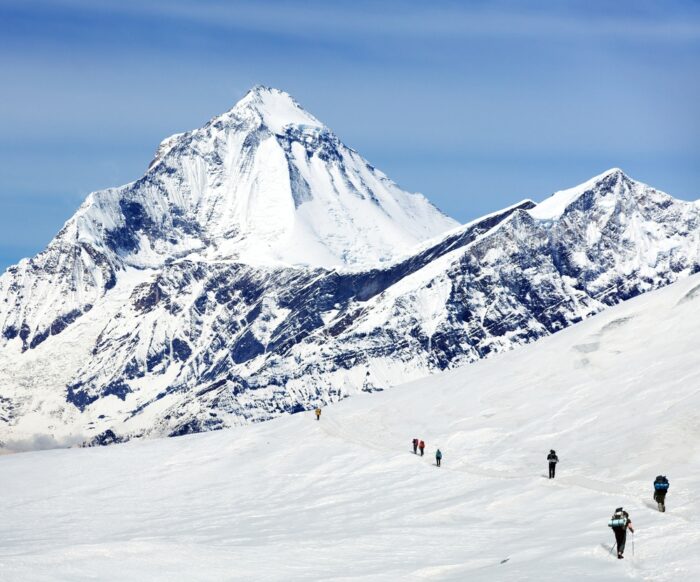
x: 661, y: 483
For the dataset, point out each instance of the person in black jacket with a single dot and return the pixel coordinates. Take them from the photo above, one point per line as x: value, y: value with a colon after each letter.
x: 622, y: 523
x: 552, y: 459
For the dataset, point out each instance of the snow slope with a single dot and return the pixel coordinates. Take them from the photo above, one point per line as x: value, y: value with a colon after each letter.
x: 343, y: 499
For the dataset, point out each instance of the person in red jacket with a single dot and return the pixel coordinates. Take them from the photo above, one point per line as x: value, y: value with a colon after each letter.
x: 421, y: 446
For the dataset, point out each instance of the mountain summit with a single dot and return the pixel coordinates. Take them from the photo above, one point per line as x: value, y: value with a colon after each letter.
x: 266, y: 183
x: 275, y: 108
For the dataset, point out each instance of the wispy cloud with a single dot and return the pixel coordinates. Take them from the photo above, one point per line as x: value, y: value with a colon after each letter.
x: 629, y: 20
x: 39, y: 442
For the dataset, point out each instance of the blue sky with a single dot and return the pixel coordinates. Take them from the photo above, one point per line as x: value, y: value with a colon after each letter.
x: 475, y: 104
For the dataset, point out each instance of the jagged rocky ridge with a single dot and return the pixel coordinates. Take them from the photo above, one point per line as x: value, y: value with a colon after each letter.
x: 170, y: 319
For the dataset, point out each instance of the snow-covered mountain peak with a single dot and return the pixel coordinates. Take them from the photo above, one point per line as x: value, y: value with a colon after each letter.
x: 260, y: 109
x: 276, y: 109
x: 265, y: 183
x: 611, y: 182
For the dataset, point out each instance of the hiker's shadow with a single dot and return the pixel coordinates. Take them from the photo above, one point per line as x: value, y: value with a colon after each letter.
x: 651, y: 505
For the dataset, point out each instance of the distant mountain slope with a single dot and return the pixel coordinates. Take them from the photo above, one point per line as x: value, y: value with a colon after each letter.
x: 344, y: 498
x: 190, y: 301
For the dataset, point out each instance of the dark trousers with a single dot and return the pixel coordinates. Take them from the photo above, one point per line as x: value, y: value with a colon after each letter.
x: 660, y: 498
x: 552, y: 467
x: 620, y: 538
x: 438, y: 461
x: 415, y: 449
x: 421, y: 452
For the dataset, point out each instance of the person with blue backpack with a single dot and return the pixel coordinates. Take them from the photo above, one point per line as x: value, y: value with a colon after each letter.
x: 620, y: 523
x: 661, y: 485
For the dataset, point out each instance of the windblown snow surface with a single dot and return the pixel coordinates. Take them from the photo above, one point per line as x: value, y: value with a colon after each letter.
x: 618, y: 397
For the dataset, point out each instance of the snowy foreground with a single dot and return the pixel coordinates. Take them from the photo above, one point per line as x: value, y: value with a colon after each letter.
x: 617, y: 396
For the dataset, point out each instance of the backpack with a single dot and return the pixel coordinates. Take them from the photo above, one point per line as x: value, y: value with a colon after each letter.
x: 619, y: 519
x: 661, y: 483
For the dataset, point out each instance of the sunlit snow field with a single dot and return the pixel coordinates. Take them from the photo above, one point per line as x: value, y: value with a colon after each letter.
x: 617, y: 396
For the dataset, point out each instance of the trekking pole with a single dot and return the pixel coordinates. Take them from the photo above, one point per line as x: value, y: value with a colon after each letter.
x: 633, y: 545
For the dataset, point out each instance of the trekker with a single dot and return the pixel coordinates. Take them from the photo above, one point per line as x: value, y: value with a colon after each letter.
x: 661, y: 485
x: 620, y: 523
x: 318, y: 413
x: 421, y: 446
x: 415, y: 446
x: 553, y: 460
x: 438, y: 457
